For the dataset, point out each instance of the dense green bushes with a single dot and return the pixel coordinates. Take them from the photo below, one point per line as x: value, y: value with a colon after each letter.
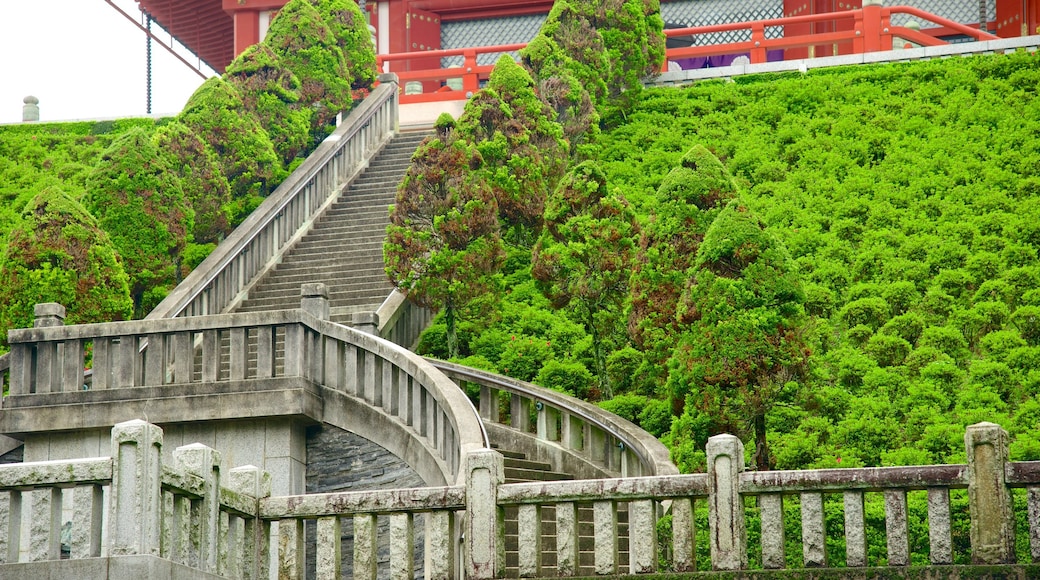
x: 905, y: 196
x: 167, y: 191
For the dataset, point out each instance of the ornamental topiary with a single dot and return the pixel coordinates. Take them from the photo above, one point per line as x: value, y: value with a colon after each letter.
x: 204, y: 186
x: 308, y: 48
x: 58, y: 253
x: 138, y: 200
x: 349, y: 25
x: 216, y: 114
x: 271, y: 92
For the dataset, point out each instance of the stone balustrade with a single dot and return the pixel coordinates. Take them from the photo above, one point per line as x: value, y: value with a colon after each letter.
x: 567, y: 432
x: 225, y: 276
x: 131, y: 514
x: 213, y: 368
x: 189, y: 516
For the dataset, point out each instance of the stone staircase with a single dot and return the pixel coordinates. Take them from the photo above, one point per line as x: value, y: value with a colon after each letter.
x: 344, y: 249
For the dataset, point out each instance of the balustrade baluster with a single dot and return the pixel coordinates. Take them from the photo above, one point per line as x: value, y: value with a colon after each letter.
x: 222, y: 541
x: 166, y: 525
x: 332, y: 374
x: 239, y: 354
x: 328, y: 551
x: 371, y: 390
x: 154, y: 363
x: 72, y: 373
x: 210, y: 356
x: 939, y: 533
x: 388, y: 383
x: 771, y: 506
x: 233, y: 548
x: 265, y: 352
x: 365, y: 556
x: 896, y: 528
x: 404, y: 401
x: 1033, y: 500
x: 10, y: 526
x: 87, y: 509
x: 402, y: 546
x: 684, y: 535
x: 520, y: 413
x: 183, y: 358
x: 439, y: 540
x: 45, y: 527
x: 548, y: 418
x: 489, y: 403
x: 855, y: 530
x: 529, y: 540
x: 814, y: 543
x: 48, y: 368
x: 180, y: 530
x: 642, y: 536
x: 290, y: 549
x: 604, y: 521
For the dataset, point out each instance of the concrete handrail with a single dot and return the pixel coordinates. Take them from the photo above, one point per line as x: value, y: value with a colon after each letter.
x: 330, y: 373
x: 221, y: 279
x: 581, y: 423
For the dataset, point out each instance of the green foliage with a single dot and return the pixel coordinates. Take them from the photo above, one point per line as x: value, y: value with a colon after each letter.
x: 582, y: 259
x: 521, y: 144
x: 139, y: 202
x: 271, y: 92
x: 443, y: 246
x: 58, y: 253
x: 198, y: 171
x: 217, y: 115
x: 571, y: 378
x: 307, y: 47
x: 349, y: 27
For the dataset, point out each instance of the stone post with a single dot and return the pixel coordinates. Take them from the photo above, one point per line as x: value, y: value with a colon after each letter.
x: 204, y: 462
x: 989, y: 500
x: 485, y: 552
x: 30, y: 109
x: 256, y: 555
x: 314, y: 300
x: 367, y: 322
x: 725, y: 505
x: 134, y: 504
x: 48, y: 314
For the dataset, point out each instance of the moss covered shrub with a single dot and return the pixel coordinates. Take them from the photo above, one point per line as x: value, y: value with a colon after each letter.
x: 58, y: 253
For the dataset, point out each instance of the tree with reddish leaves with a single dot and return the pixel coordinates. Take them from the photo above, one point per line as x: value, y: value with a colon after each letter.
x: 687, y: 201
x: 741, y: 345
x: 443, y: 246
x: 582, y: 259
x: 522, y: 146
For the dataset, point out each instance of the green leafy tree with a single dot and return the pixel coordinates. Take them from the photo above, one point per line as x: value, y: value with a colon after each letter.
x: 443, y: 246
x: 521, y: 144
x: 689, y: 198
x: 271, y: 92
x: 582, y: 259
x: 58, y: 253
x: 137, y: 199
x: 742, y: 345
x: 307, y: 47
x: 349, y: 27
x: 198, y: 171
x: 216, y: 113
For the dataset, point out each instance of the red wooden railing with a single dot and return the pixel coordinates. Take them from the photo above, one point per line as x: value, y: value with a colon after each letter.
x: 871, y: 31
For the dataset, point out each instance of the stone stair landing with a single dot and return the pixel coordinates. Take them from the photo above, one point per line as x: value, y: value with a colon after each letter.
x: 344, y: 249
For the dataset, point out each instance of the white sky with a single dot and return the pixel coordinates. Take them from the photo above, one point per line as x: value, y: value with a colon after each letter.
x: 84, y: 60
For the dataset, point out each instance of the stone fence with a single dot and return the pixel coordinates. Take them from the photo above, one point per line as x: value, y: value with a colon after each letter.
x: 188, y: 516
x: 131, y: 516
x: 571, y: 434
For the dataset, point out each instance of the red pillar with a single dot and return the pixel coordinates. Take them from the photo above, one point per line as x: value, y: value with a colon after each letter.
x: 246, y: 14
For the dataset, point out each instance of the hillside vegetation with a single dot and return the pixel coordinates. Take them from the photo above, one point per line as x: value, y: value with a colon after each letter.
x: 906, y: 198
x: 106, y: 217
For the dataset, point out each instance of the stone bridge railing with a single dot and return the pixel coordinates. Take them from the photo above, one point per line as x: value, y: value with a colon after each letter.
x: 190, y: 515
x: 221, y: 280
x: 568, y: 432
x: 235, y: 366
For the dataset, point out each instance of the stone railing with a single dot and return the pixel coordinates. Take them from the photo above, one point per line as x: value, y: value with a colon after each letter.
x: 296, y: 360
x: 160, y: 519
x: 565, y: 429
x: 401, y: 321
x: 723, y: 493
x: 225, y: 276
